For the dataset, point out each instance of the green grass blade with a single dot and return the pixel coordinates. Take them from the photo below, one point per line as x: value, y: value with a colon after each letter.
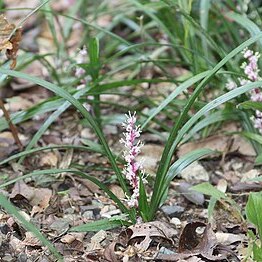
x: 103, y: 224
x: 213, y: 118
x: 214, y: 104
x: 245, y: 22
x: 142, y: 201
x: 252, y: 136
x: 180, y: 165
x: 251, y: 105
x: 39, y: 149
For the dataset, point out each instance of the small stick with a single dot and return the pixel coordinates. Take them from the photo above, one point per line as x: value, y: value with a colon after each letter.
x: 11, y: 125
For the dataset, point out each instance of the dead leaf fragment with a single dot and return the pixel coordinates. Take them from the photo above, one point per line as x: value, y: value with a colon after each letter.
x: 109, y: 252
x: 31, y: 240
x: 9, y: 42
x: 15, y: 41
x: 38, y: 198
x: 96, y: 240
x: 205, y: 245
x: 148, y: 231
x: 5, y: 31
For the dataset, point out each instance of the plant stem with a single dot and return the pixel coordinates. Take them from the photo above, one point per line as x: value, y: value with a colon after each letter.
x: 11, y: 125
x: 97, y: 110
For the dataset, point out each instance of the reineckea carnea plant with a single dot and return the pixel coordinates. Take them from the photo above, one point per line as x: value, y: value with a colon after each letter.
x: 148, y: 205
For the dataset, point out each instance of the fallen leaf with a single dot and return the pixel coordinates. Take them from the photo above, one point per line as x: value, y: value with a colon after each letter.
x: 9, y: 40
x: 228, y: 238
x: 31, y: 240
x: 109, y: 252
x: 192, y: 243
x: 148, y: 231
x: 38, y: 198
x: 49, y: 159
x: 189, y: 239
x: 15, y: 41
x: 96, y: 240
x: 6, y: 30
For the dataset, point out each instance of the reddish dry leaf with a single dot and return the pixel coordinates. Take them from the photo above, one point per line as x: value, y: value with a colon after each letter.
x: 109, y: 252
x: 9, y: 42
x: 71, y: 237
x: 31, y: 240
x: 5, y: 31
x: 15, y: 41
x: 205, y: 245
x: 189, y: 239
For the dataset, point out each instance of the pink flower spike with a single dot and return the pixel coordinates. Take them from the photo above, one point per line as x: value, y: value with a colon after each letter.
x: 251, y: 70
x: 132, y: 149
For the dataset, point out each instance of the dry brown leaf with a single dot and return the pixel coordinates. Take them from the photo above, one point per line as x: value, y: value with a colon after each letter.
x: 8, y: 41
x: 226, y: 215
x: 71, y: 237
x: 41, y: 201
x: 37, y: 197
x: 109, y: 252
x: 5, y: 32
x: 31, y: 240
x: 117, y: 190
x: 96, y: 240
x: 15, y: 41
x: 49, y: 159
x: 191, y: 243
x: 149, y: 231
x: 229, y: 238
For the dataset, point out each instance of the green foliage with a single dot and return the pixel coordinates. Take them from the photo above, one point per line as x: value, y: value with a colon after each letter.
x: 253, y: 207
x: 102, y: 224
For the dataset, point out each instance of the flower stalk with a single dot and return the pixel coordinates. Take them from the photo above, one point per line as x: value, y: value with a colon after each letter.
x: 251, y: 71
x: 132, y: 150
